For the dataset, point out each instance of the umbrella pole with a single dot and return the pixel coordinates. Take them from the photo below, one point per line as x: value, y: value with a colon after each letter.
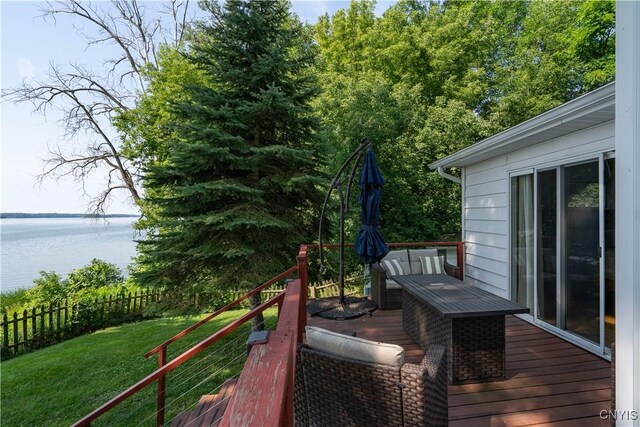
x: 342, y: 212
x: 364, y: 143
x: 330, y: 308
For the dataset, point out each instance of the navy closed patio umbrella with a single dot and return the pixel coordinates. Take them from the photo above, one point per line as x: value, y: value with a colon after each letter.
x: 369, y: 244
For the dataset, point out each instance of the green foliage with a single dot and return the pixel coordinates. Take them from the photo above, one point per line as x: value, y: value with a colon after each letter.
x: 239, y: 188
x: 427, y: 79
x: 593, y: 42
x: 16, y: 298
x: 96, y: 274
x: 228, y: 135
x: 449, y: 126
x: 49, y: 288
x: 98, y: 279
x: 148, y: 129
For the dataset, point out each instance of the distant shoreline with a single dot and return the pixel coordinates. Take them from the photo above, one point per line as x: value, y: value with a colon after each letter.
x: 20, y: 215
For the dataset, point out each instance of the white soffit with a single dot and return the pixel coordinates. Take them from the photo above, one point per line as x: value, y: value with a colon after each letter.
x: 588, y: 110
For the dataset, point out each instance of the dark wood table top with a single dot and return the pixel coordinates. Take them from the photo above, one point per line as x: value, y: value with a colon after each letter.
x: 454, y: 298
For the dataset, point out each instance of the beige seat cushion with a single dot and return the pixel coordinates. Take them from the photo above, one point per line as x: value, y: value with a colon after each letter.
x: 354, y: 348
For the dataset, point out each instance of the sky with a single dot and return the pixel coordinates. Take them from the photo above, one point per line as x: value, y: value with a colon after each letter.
x: 28, y: 45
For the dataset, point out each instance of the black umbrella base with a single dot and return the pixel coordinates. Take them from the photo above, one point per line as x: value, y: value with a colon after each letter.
x: 333, y: 308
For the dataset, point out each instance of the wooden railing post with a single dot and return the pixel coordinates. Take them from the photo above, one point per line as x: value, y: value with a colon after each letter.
x: 162, y: 359
x: 460, y: 258
x: 303, y: 275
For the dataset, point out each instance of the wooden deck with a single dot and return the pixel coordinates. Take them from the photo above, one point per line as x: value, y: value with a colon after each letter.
x: 550, y: 382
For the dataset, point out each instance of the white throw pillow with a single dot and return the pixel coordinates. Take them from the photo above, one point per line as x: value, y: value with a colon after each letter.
x: 354, y: 348
x: 432, y: 265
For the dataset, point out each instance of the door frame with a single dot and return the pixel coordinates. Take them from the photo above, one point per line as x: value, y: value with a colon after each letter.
x: 600, y: 348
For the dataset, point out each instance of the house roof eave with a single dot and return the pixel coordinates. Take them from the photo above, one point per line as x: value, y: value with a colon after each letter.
x: 590, y: 109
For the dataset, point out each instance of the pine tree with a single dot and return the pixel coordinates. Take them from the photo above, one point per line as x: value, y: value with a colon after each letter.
x: 240, y: 188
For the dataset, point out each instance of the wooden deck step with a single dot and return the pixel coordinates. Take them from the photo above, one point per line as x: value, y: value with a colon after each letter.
x: 209, y: 410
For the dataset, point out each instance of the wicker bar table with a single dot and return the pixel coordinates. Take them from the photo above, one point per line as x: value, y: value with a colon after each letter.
x: 469, y: 322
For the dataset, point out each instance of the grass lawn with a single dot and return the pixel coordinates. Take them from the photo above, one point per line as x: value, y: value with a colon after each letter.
x: 60, y: 384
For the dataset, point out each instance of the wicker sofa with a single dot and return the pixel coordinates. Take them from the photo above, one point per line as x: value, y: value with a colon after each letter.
x: 388, y: 294
x: 337, y: 391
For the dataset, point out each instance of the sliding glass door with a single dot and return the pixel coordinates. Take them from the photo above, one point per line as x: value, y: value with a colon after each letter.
x: 522, y: 240
x: 547, y: 215
x: 562, y: 248
x: 580, y: 235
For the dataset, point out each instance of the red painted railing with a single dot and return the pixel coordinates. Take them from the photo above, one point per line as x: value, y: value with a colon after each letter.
x: 270, y: 367
x: 170, y: 366
x: 164, y: 367
x: 161, y: 350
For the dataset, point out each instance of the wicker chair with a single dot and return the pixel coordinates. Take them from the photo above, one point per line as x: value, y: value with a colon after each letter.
x: 387, y: 293
x: 335, y: 391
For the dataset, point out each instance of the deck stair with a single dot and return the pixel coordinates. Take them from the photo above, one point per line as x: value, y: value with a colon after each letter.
x: 209, y: 410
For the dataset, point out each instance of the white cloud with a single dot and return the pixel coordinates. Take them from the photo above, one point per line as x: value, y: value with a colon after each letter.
x: 26, y: 69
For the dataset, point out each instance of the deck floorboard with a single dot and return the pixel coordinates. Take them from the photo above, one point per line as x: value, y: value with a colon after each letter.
x: 550, y: 382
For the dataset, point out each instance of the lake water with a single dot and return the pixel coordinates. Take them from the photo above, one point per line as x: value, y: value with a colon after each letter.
x: 61, y: 244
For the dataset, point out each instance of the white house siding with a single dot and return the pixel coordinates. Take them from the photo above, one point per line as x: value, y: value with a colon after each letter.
x: 486, y: 199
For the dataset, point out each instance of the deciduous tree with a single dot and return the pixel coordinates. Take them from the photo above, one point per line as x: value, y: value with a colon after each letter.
x: 90, y: 97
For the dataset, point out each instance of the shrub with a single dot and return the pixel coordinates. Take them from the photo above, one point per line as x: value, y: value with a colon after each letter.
x: 49, y: 288
x: 12, y: 300
x: 97, y: 274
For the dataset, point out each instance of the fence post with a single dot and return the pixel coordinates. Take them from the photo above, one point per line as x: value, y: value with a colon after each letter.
x: 66, y: 314
x: 162, y: 356
x: 74, y: 315
x: 58, y: 321
x: 34, y: 320
x: 104, y: 301
x: 50, y: 318
x: 5, y: 332
x: 16, y: 337
x: 42, y: 338
x: 129, y: 303
x: 25, y: 335
x: 135, y: 301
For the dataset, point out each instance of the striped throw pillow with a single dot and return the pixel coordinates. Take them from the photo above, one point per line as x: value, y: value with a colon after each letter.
x: 393, y: 267
x: 432, y: 264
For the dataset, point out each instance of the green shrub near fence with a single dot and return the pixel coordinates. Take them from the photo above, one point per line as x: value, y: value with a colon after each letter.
x: 45, y: 325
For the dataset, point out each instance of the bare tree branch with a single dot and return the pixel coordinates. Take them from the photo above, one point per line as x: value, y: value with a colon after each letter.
x: 89, y: 101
